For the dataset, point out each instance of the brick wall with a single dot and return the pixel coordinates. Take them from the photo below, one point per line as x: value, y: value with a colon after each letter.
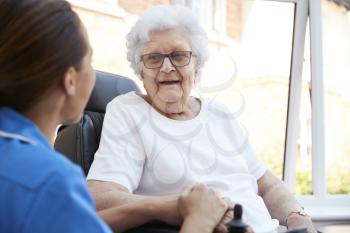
x: 234, y: 19
x: 137, y: 7
x: 107, y: 36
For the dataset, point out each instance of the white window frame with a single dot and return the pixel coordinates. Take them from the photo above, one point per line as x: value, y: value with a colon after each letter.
x: 219, y: 17
x: 321, y: 206
x: 215, y: 22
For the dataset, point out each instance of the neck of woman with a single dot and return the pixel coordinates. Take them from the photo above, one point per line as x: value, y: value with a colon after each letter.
x: 186, y: 109
x: 47, y: 116
x: 46, y: 123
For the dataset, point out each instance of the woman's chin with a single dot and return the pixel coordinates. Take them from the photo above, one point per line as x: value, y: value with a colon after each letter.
x: 170, y: 105
x: 170, y: 97
x: 172, y: 100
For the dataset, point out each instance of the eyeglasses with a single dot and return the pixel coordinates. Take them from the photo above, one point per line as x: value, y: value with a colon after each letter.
x: 177, y: 59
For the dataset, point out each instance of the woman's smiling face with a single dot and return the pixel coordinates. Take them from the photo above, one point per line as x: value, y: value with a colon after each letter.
x: 168, y: 87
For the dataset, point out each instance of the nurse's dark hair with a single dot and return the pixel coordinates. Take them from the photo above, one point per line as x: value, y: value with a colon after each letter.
x: 39, y: 41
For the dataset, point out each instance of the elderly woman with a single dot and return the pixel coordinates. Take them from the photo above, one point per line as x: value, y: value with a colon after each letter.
x: 46, y: 79
x: 153, y: 145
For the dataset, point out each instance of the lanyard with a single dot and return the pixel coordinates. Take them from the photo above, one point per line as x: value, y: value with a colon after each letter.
x: 17, y: 137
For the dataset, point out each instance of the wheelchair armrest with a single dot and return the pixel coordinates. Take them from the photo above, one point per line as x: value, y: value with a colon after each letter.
x: 155, y: 227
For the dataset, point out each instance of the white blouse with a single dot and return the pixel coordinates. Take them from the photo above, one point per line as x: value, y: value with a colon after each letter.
x: 151, y: 154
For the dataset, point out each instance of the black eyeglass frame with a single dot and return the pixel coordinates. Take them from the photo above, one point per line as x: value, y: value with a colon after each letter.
x: 168, y: 55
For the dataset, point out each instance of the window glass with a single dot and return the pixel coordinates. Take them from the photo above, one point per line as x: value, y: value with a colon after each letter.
x: 211, y: 14
x: 219, y: 15
x: 336, y: 52
x: 336, y: 76
x: 303, y: 156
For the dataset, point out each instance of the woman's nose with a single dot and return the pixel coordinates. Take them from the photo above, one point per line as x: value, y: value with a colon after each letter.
x: 167, y: 66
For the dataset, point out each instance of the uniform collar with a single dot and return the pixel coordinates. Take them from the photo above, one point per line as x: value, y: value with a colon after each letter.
x: 17, y: 127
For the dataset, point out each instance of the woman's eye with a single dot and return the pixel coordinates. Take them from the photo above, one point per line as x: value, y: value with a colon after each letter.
x: 154, y: 57
x: 177, y: 56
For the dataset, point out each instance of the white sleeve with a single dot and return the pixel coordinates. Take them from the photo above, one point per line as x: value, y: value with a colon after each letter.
x: 255, y: 165
x: 120, y: 156
x: 241, y: 139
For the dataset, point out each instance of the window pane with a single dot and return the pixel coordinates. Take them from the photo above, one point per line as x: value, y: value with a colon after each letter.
x: 253, y: 77
x: 303, y: 156
x: 336, y: 50
x: 304, y: 143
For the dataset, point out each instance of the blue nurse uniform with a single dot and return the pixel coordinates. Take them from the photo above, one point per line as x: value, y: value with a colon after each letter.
x: 40, y: 190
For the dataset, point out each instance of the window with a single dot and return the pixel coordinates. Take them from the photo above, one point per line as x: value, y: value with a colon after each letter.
x: 336, y: 51
x: 308, y: 111
x: 212, y: 14
x: 336, y: 63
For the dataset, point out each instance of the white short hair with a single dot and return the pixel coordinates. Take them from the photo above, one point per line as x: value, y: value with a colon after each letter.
x: 163, y: 17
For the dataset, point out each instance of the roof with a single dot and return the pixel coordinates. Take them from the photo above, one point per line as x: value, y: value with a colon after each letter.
x: 344, y: 3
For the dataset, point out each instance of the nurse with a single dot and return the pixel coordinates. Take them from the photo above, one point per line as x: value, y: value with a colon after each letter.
x: 46, y: 78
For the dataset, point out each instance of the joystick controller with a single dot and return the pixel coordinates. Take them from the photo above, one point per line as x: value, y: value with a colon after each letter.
x: 237, y: 225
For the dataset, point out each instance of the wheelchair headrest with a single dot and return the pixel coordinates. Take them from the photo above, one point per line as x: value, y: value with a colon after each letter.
x: 106, y: 88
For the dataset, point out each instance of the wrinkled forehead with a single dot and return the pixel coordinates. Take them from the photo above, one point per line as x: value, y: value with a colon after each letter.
x: 167, y: 40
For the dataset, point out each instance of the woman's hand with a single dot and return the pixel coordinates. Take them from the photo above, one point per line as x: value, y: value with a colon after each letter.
x: 201, y: 208
x: 221, y: 227
x: 295, y: 221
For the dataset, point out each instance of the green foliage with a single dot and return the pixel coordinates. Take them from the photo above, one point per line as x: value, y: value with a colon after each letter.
x: 304, y: 185
x: 338, y: 181
x: 338, y: 178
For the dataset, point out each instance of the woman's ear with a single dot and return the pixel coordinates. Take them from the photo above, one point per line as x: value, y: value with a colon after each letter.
x: 196, y: 77
x: 69, y: 81
x: 141, y: 76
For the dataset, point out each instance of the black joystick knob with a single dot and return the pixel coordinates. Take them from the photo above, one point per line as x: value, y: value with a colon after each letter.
x: 237, y: 225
